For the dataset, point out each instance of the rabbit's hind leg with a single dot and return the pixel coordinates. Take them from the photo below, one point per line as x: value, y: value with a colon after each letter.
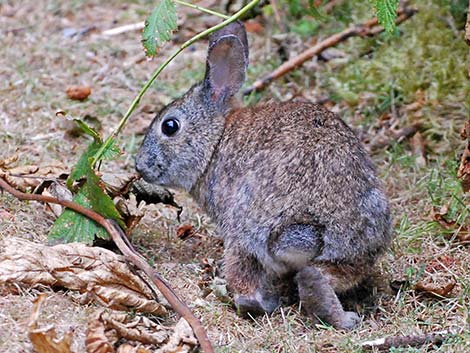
x: 254, y: 290
x: 295, y: 248
x: 319, y: 300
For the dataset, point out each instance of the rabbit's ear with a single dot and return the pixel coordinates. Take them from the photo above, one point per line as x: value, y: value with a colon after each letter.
x: 235, y: 28
x: 226, y: 64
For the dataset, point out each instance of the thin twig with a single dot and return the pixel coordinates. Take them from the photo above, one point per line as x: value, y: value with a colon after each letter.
x: 366, y: 29
x: 384, y: 344
x: 130, y: 254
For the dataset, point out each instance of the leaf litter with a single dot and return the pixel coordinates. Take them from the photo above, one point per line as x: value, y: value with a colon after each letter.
x: 99, y: 275
x: 106, y: 329
x: 45, y: 339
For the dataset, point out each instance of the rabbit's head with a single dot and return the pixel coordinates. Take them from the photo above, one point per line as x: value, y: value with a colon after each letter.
x: 181, y: 139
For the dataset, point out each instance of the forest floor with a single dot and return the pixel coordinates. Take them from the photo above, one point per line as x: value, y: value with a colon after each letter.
x: 417, y: 79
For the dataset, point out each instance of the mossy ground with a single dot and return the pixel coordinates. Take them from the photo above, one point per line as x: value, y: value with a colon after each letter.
x: 372, y: 84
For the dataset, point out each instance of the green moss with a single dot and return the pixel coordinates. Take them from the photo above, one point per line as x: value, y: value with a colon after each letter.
x: 426, y: 56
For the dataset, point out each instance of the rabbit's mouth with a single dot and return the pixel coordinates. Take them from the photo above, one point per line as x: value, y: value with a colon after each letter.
x: 149, y: 174
x: 152, y: 176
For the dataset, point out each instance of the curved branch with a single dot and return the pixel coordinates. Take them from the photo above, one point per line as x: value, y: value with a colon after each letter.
x: 130, y: 254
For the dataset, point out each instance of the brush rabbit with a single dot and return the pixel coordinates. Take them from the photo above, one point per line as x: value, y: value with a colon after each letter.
x: 289, y: 185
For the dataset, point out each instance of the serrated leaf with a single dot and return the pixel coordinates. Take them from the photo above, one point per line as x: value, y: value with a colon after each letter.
x: 71, y: 226
x: 386, y: 11
x: 87, y: 129
x: 83, y: 165
x: 100, y: 201
x: 159, y: 26
x: 74, y: 227
x: 111, y: 152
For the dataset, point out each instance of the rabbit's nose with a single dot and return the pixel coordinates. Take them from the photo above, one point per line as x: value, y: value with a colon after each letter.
x: 140, y: 164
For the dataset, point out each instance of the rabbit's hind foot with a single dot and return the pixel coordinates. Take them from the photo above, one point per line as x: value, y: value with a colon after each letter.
x: 319, y: 300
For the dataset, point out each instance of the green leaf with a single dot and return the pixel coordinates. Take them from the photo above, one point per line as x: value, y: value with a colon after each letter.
x: 74, y: 227
x: 159, y: 26
x: 111, y: 152
x: 100, y: 201
x: 71, y: 226
x: 83, y: 165
x: 386, y: 11
x: 87, y: 129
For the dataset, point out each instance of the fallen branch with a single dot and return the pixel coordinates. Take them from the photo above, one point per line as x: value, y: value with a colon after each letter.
x: 368, y: 28
x: 130, y: 253
x: 384, y: 344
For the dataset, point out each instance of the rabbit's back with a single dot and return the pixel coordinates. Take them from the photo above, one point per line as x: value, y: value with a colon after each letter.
x: 295, y: 163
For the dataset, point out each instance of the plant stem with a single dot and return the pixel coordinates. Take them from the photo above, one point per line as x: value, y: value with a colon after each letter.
x: 202, y: 9
x: 144, y: 89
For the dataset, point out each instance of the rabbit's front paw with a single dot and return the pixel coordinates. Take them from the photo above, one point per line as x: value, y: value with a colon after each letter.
x: 349, y: 321
x: 255, y: 304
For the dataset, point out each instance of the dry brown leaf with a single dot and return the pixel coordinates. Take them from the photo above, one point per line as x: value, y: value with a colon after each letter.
x: 436, y: 286
x: 464, y: 169
x: 45, y: 339
x: 465, y: 132
x: 7, y: 162
x: 185, y: 231
x: 460, y: 232
x: 96, y: 339
x: 139, y: 328
x: 59, y: 191
x: 118, y: 184
x: 78, y: 92
x: 206, y: 276
x: 254, y: 26
x: 26, y: 178
x: 181, y: 341
x: 99, y: 274
x: 106, y: 328
x: 130, y: 210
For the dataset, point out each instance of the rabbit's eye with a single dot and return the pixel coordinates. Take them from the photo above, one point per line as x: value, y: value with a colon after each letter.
x: 170, y: 126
